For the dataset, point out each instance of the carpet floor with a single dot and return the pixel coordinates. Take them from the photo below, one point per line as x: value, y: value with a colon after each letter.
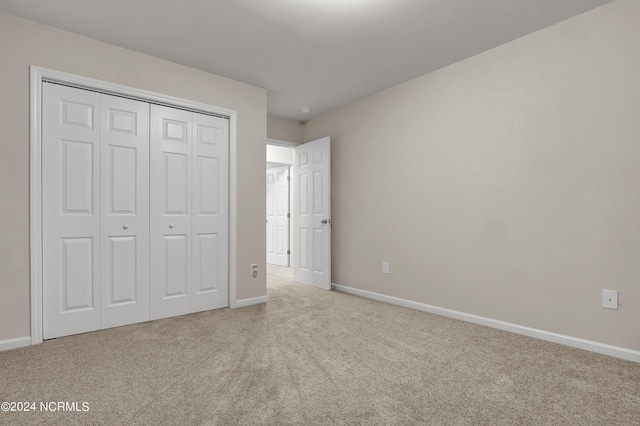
x: 313, y: 357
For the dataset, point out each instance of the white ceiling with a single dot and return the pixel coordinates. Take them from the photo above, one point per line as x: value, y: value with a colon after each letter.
x: 316, y: 53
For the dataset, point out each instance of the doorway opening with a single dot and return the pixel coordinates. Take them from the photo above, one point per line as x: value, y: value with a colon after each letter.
x: 278, y: 220
x: 278, y: 214
x: 300, y: 217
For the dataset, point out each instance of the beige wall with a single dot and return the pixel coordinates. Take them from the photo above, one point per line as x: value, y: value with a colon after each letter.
x: 284, y: 129
x: 506, y: 185
x: 24, y: 43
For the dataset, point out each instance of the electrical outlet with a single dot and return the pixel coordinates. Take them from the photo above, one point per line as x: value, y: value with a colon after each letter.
x: 385, y: 267
x: 254, y: 270
x: 610, y: 299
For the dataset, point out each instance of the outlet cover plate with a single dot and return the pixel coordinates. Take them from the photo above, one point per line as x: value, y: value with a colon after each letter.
x: 385, y: 267
x: 610, y: 299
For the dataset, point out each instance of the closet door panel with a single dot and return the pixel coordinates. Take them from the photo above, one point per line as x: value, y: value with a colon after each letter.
x: 170, y: 214
x: 125, y: 211
x: 70, y: 210
x: 210, y: 212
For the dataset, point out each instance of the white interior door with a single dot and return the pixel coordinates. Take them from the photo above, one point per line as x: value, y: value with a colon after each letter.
x: 71, y: 210
x: 170, y: 212
x: 125, y: 211
x: 311, y: 214
x: 210, y: 221
x: 278, y: 216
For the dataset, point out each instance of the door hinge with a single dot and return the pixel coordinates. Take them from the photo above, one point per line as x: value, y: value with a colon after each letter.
x: 288, y: 251
x: 288, y: 215
x: 288, y: 177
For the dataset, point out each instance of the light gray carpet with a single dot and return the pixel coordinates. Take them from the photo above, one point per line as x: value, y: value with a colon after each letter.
x: 315, y: 357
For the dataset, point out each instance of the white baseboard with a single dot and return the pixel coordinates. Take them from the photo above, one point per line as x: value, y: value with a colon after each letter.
x: 5, y: 345
x: 248, y: 302
x: 601, y: 348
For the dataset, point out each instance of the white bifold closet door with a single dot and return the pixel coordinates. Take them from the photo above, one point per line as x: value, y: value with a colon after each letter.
x: 95, y: 211
x: 210, y: 213
x: 71, y: 211
x: 125, y: 211
x: 189, y: 219
x: 135, y: 211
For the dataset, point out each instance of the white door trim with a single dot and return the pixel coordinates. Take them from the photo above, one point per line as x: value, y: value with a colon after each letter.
x: 280, y: 142
x: 38, y: 74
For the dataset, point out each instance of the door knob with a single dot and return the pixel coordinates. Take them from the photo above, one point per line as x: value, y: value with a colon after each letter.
x: 125, y: 226
x: 324, y: 221
x: 171, y: 225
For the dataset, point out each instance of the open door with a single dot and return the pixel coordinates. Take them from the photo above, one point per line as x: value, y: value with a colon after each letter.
x: 311, y: 214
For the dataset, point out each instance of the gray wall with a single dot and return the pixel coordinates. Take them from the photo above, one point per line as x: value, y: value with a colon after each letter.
x: 284, y: 129
x: 506, y: 185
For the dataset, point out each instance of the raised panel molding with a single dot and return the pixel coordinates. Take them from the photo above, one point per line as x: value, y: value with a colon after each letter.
x: 207, y: 174
x: 280, y: 240
x: 317, y: 156
x: 208, y: 135
x: 304, y: 248
x: 175, y: 131
x: 123, y: 121
x: 175, y: 186
x: 281, y: 207
x: 175, y: 252
x: 303, y: 159
x: 208, y: 260
x: 318, y: 208
x: 122, y: 270
x: 318, y: 261
x: 77, y: 114
x: 123, y: 174
x: 77, y: 273
x: 77, y: 175
x: 302, y: 196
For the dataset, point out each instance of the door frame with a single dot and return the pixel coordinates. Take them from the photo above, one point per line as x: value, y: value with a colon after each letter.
x: 292, y: 145
x: 40, y: 74
x: 288, y: 166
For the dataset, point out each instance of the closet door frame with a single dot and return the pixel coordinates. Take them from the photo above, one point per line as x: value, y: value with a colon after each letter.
x: 38, y: 76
